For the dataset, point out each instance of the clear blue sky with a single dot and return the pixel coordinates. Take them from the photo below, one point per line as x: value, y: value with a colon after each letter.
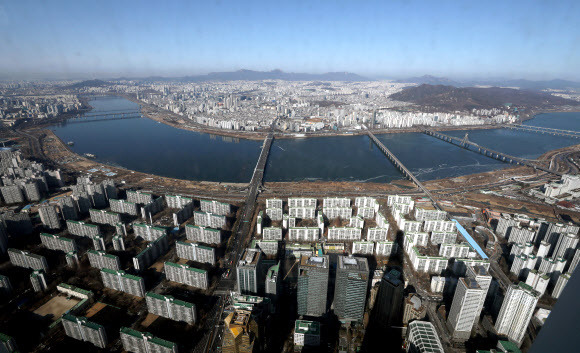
x: 393, y: 38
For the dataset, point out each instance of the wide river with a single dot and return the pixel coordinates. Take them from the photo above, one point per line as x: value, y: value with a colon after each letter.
x: 151, y: 147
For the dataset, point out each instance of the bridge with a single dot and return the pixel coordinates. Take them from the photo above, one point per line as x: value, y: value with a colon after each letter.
x: 465, y: 143
x: 82, y: 120
x: 406, y: 172
x: 227, y: 284
x: 543, y: 130
x: 111, y: 112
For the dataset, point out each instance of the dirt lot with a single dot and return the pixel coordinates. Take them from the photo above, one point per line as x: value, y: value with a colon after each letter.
x: 149, y: 320
x: 56, y: 306
x: 95, y: 309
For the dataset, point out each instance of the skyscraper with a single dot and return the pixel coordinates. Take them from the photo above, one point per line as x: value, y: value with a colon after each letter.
x: 352, y: 278
x: 516, y: 311
x: 249, y: 272
x: 483, y: 278
x: 240, y: 333
x: 387, y: 310
x: 312, y: 290
x: 465, y: 308
x: 422, y: 337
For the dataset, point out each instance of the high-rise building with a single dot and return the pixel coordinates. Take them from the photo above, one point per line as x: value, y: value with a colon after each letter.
x: 216, y: 207
x: 171, y: 308
x: 195, y: 252
x: 422, y: 338
x: 575, y: 261
x: 7, y: 344
x: 249, y: 272
x: 389, y: 301
x: 152, y: 252
x: 38, y: 280
x: 560, y: 284
x: 121, y: 281
x: 144, y: 342
x: 83, y: 229
x: 190, y: 276
x: 82, y: 329
x: 414, y: 309
x: 241, y: 334
x: 203, y: 234
x: 465, y: 308
x: 147, y: 232
x: 100, y: 259
x: 3, y: 239
x: 272, y: 281
x: 5, y: 285
x: 350, y: 294
x: 566, y: 246
x: 306, y: 333
x: 313, y: 273
x: 516, y: 312
x: 49, y: 216
x: 55, y: 242
x: 26, y: 259
x: 483, y: 278
x: 124, y: 206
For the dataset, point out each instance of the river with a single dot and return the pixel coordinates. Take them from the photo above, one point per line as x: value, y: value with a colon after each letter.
x: 148, y: 146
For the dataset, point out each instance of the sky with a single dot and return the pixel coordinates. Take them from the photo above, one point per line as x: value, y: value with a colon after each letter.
x: 462, y: 39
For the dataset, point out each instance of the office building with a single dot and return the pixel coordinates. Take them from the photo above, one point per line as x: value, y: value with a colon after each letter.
x: 49, y: 216
x: 306, y: 333
x: 249, y: 272
x: 414, y: 308
x: 171, y: 308
x: 100, y: 259
x: 121, y: 281
x: 313, y: 273
x: 187, y: 275
x: 195, y: 252
x: 423, y: 338
x: 241, y: 333
x: 350, y: 293
x: 26, y: 259
x: 465, y: 308
x: 82, y: 329
x: 55, y: 242
x: 389, y: 301
x: 144, y: 342
x: 203, y: 234
x: 516, y: 312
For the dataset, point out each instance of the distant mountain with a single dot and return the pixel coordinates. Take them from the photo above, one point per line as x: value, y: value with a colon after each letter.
x: 451, y: 98
x: 88, y: 83
x: 538, y: 85
x: 430, y: 80
x: 251, y: 75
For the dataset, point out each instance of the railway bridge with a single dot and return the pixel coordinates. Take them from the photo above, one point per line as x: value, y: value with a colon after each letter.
x: 472, y: 146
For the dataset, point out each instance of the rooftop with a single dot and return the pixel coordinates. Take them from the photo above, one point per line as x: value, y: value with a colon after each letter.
x: 307, y: 327
x: 320, y: 261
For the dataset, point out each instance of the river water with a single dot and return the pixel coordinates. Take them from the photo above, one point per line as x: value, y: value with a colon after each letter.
x: 151, y: 147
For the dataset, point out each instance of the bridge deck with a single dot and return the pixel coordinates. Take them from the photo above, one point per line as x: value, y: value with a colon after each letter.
x: 484, y: 150
x: 543, y: 130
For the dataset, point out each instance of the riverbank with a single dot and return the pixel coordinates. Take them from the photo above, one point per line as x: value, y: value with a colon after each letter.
x: 61, y: 155
x: 179, y: 122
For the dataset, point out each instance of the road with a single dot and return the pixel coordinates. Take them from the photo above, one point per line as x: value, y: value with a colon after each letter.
x: 241, y: 236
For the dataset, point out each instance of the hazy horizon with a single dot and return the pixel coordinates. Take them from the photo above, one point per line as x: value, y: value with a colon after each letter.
x: 374, y: 39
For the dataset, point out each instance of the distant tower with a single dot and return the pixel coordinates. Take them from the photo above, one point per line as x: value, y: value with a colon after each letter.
x: 389, y: 301
x: 312, y: 289
x: 516, y: 312
x: 352, y: 279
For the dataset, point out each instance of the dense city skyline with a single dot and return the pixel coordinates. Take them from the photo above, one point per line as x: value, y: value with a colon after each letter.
x: 373, y: 39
